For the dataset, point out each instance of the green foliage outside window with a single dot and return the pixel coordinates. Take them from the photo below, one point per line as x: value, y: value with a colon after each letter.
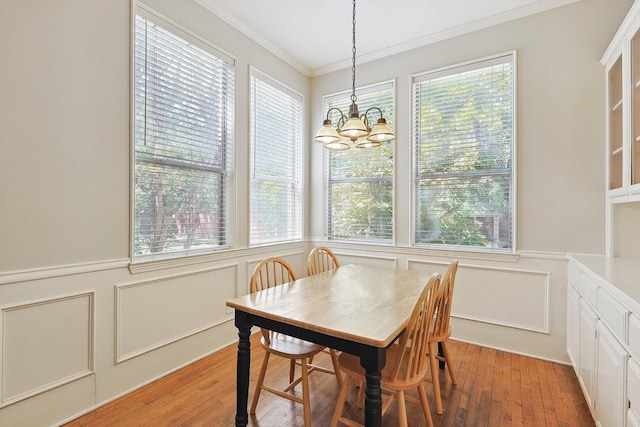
x: 360, y: 180
x: 464, y: 134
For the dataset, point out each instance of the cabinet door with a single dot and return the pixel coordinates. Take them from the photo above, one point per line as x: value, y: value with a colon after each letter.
x: 615, y: 125
x: 633, y: 390
x: 573, y: 325
x: 587, y: 359
x: 635, y: 109
x: 610, y: 383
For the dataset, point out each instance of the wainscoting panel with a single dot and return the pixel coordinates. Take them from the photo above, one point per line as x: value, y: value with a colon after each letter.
x: 153, y: 313
x: 374, y: 261
x: 45, y: 344
x: 517, y: 298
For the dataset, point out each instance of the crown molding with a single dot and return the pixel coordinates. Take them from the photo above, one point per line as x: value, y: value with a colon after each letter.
x: 255, y: 37
x: 521, y: 12
x: 480, y: 24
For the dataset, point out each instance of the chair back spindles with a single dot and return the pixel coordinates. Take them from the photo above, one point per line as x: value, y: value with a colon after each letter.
x: 271, y: 272
x: 443, y: 310
x: 321, y: 259
x: 438, y: 348
x: 414, y: 342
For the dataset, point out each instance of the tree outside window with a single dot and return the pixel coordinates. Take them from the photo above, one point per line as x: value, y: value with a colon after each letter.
x: 360, y: 180
x: 183, y: 98
x: 463, y: 121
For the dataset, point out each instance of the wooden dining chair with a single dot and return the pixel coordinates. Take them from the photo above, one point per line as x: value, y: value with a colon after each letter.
x: 269, y: 273
x: 321, y: 259
x: 441, y: 333
x: 406, y: 366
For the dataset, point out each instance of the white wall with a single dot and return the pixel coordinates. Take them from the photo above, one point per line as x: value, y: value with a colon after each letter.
x: 560, y: 125
x: 79, y: 328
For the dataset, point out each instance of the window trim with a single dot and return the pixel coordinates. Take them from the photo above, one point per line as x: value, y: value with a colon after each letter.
x: 440, y: 72
x: 192, y: 256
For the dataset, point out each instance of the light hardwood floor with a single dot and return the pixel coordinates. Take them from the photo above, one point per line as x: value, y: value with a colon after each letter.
x: 494, y: 389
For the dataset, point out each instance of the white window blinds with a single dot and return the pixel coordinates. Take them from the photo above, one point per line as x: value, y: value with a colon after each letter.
x: 276, y: 156
x: 360, y: 180
x: 183, y: 125
x: 463, y: 131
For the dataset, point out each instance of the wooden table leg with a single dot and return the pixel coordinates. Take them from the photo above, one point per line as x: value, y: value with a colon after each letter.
x: 373, y: 362
x: 441, y: 354
x: 242, y: 371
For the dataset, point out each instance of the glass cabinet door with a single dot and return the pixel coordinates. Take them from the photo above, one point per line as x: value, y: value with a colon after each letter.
x: 635, y: 109
x: 615, y: 125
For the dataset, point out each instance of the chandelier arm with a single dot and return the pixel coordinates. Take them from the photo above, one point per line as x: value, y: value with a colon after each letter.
x: 365, y: 119
x: 342, y: 118
x: 336, y: 109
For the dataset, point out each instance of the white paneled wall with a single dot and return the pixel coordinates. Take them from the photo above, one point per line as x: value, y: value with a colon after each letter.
x: 156, y: 312
x: 513, y: 297
x: 74, y: 338
x: 45, y: 344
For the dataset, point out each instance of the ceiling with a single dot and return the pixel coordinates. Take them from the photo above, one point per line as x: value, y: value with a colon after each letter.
x: 315, y: 36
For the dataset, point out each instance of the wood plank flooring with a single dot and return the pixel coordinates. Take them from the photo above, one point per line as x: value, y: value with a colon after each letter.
x: 494, y: 389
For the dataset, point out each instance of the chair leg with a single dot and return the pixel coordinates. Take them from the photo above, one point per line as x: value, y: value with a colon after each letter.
x: 346, y: 383
x: 447, y: 356
x: 306, y: 402
x: 256, y: 393
x: 292, y: 370
x: 425, y: 405
x: 336, y: 366
x: 433, y: 350
x: 402, y: 409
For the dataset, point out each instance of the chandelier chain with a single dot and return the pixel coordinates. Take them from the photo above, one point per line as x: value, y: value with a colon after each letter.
x: 353, y: 52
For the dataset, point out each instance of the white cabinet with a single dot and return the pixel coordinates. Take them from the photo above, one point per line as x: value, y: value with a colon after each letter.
x: 633, y: 392
x: 610, y: 379
x: 587, y: 359
x: 573, y: 324
x: 603, y: 336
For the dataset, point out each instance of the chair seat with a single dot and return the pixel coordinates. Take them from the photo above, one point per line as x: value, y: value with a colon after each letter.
x: 351, y: 365
x: 441, y: 337
x: 290, y: 347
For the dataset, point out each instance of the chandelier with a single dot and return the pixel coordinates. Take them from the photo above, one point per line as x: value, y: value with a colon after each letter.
x: 354, y: 129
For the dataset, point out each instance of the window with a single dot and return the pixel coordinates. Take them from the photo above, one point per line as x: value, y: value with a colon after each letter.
x: 183, y: 135
x: 360, y: 180
x: 463, y: 129
x: 276, y: 156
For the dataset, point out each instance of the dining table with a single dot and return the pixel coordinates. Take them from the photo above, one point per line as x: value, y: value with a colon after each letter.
x: 358, y: 309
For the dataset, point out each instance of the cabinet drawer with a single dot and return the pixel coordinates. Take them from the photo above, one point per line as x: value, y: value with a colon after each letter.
x: 613, y: 314
x: 633, y: 386
x: 589, y: 289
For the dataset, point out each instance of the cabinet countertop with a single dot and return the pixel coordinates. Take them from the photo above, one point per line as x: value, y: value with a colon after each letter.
x: 622, y: 274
